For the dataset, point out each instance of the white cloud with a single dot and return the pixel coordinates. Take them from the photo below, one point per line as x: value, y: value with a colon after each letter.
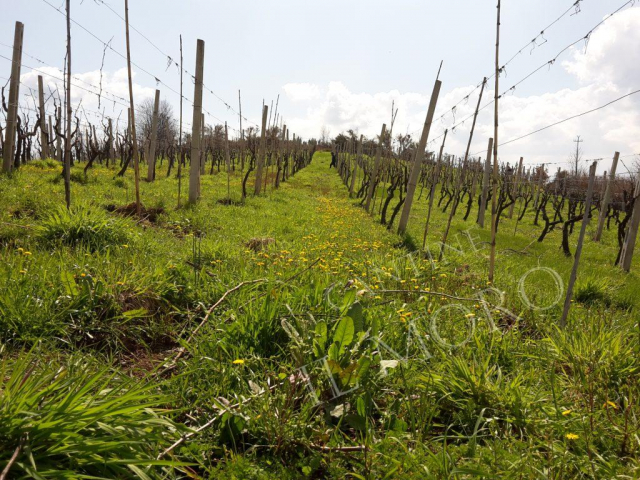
x: 84, y: 87
x: 609, y: 68
x: 301, y: 91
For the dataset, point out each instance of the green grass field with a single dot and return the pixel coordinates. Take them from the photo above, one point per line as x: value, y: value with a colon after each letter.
x: 336, y: 351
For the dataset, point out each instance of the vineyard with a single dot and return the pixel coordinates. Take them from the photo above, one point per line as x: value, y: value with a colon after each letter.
x: 205, y: 298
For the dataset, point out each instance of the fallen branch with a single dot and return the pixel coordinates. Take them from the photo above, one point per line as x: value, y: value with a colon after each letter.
x: 354, y: 448
x: 429, y: 292
x: 297, y: 274
x: 12, y: 460
x: 19, y: 226
x: 212, y: 420
x: 204, y: 320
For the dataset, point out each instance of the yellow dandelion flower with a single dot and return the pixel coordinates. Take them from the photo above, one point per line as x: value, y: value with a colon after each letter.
x: 238, y: 361
x: 572, y: 436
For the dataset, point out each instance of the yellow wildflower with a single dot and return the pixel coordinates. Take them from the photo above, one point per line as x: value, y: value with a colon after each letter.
x: 238, y: 361
x: 572, y: 436
x: 566, y: 412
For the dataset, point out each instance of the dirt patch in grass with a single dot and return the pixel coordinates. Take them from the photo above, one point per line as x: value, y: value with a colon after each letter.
x: 142, y: 361
x: 229, y: 201
x: 258, y: 244
x: 146, y: 214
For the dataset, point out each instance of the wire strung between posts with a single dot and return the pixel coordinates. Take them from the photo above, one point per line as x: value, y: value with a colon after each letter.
x: 75, y: 77
x: 565, y: 120
x: 57, y: 78
x: 170, y: 61
x: 548, y: 63
x: 575, y: 7
x: 107, y: 45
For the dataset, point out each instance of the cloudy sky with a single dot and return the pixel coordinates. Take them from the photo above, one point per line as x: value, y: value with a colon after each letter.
x: 340, y: 64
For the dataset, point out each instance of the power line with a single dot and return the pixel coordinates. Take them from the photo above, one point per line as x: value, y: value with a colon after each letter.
x: 170, y: 60
x: 108, y: 45
x: 565, y: 120
x: 575, y: 7
x: 548, y: 63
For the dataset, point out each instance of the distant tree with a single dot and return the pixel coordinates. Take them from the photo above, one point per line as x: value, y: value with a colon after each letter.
x: 576, y: 157
x: 167, y: 129
x: 325, y: 136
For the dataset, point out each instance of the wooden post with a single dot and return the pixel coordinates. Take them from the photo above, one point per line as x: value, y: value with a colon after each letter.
x: 227, y: 161
x: 262, y: 152
x: 432, y: 191
x: 494, y: 204
x: 180, y: 152
x: 355, y: 167
x: 67, y: 139
x: 515, y: 187
x: 196, y: 135
x: 626, y: 255
x: 539, y: 185
x: 376, y: 168
x: 8, y: 151
x: 132, y: 117
x: 241, y: 133
x: 485, y: 185
x: 604, y: 204
x: 456, y: 195
x: 58, y: 141
x: 44, y: 137
x: 151, y: 160
x: 203, y: 149
x: 112, y: 151
x: 417, y: 161
x: 576, y: 262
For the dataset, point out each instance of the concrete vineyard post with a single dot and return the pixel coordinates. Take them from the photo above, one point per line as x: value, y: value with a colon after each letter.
x: 485, y: 185
x: 626, y: 255
x: 576, y: 262
x: 604, y: 204
x: 419, y: 157
x: 376, y: 168
x: 262, y: 152
x: 8, y: 151
x: 151, y: 160
x: 194, y: 170
x: 44, y: 137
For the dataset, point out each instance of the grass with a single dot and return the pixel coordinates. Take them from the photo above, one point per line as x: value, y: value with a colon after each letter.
x: 343, y: 339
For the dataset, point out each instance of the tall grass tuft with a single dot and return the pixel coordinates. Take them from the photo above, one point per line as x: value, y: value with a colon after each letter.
x: 73, y: 421
x: 83, y: 226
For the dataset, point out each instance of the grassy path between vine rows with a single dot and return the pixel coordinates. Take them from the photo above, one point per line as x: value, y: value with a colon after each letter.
x: 346, y: 355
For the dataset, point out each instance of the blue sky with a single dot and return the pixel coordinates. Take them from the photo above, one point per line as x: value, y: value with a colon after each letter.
x: 339, y: 64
